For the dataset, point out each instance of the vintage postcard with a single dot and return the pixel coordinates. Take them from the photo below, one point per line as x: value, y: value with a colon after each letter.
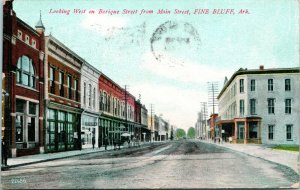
x: 150, y: 94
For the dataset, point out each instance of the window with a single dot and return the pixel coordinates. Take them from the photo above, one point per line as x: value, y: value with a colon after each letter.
x: 288, y: 106
x: 76, y: 89
x: 241, y: 85
x: 33, y: 43
x: 26, y: 121
x: 252, y: 106
x: 289, y: 129
x: 252, y: 85
x: 84, y: 94
x: 90, y: 95
x: 61, y: 83
x: 20, y: 34
x: 25, y: 72
x: 271, y: 109
x: 101, y: 101
x: 94, y: 98
x: 52, y: 80
x: 69, y: 87
x: 108, y: 103
x: 287, y: 84
x: 271, y: 132
x: 27, y: 39
x: 270, y: 84
x: 242, y: 107
x: 104, y: 102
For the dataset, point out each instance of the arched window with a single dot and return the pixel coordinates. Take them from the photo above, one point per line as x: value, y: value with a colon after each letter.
x: 25, y: 72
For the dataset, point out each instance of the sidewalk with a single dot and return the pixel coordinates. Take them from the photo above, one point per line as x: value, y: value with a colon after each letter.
x: 286, y: 158
x: 37, y: 158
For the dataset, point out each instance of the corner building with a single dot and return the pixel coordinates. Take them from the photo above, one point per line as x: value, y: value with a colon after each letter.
x: 261, y: 106
x: 23, y: 84
x: 62, y: 97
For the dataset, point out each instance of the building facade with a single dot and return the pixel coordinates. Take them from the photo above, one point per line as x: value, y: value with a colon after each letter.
x: 261, y: 106
x: 23, y: 84
x: 62, y: 97
x: 89, y: 104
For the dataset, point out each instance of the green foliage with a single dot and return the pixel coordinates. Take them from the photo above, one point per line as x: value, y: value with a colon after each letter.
x: 180, y: 133
x: 191, y: 133
x: 286, y: 147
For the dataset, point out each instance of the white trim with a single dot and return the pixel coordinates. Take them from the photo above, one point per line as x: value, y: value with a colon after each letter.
x: 27, y: 99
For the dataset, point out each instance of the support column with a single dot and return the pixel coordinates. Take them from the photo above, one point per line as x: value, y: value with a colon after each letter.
x: 235, y: 132
x: 246, y: 131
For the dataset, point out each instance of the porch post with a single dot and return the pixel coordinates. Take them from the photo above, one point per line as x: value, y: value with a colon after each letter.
x: 235, y: 132
x: 246, y: 132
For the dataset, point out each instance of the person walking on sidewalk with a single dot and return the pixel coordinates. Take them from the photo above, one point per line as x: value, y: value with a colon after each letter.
x: 4, y: 153
x: 105, y: 142
x: 93, y: 142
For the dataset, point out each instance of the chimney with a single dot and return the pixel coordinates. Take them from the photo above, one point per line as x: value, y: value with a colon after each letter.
x: 261, y: 67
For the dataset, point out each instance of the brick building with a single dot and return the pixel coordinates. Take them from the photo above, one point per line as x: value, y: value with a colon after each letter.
x: 62, y: 96
x: 23, y: 68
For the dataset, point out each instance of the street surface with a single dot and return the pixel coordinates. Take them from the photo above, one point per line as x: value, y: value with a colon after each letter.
x: 177, y: 164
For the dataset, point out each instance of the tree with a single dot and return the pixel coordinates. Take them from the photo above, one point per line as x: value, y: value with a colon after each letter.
x: 191, y: 133
x: 172, y: 134
x: 180, y: 133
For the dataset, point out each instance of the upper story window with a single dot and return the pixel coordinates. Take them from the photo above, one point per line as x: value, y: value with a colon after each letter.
x: 76, y: 89
x: 25, y: 72
x: 94, y: 98
x: 270, y: 84
x: 271, y: 106
x: 101, y: 101
x: 33, y: 43
x: 69, y: 83
x: 90, y: 95
x: 20, y: 34
x: 287, y: 85
x: 252, y: 85
x: 27, y: 39
x: 242, y: 107
x: 288, y: 106
x: 108, y: 103
x: 52, y: 80
x: 241, y: 85
x: 105, y: 101
x: 84, y: 94
x: 61, y: 83
x: 252, y: 106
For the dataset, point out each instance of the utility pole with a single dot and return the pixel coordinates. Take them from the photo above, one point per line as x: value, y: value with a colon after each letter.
x: 212, y: 95
x: 203, y: 118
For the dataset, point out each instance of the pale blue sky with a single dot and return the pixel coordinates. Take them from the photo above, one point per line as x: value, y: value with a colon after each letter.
x: 120, y: 45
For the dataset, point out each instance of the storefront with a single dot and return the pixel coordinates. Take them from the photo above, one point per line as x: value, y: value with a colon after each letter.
x: 89, y: 131
x: 62, y: 130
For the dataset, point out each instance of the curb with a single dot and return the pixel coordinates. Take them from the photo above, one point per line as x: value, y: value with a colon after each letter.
x: 5, y: 168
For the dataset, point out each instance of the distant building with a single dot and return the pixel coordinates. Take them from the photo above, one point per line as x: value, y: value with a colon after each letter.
x: 261, y: 106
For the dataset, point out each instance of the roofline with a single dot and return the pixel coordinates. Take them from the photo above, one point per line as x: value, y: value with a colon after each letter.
x: 65, y: 47
x: 258, y: 71
x: 27, y: 26
x: 91, y: 66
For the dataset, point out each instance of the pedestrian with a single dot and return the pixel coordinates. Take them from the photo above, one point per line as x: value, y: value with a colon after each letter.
x: 93, y: 142
x: 4, y: 153
x: 105, y: 143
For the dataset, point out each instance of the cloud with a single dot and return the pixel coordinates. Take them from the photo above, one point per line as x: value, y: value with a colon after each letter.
x: 187, y: 71
x: 106, y: 25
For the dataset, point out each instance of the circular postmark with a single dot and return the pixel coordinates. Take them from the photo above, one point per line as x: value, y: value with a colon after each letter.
x: 174, y: 42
